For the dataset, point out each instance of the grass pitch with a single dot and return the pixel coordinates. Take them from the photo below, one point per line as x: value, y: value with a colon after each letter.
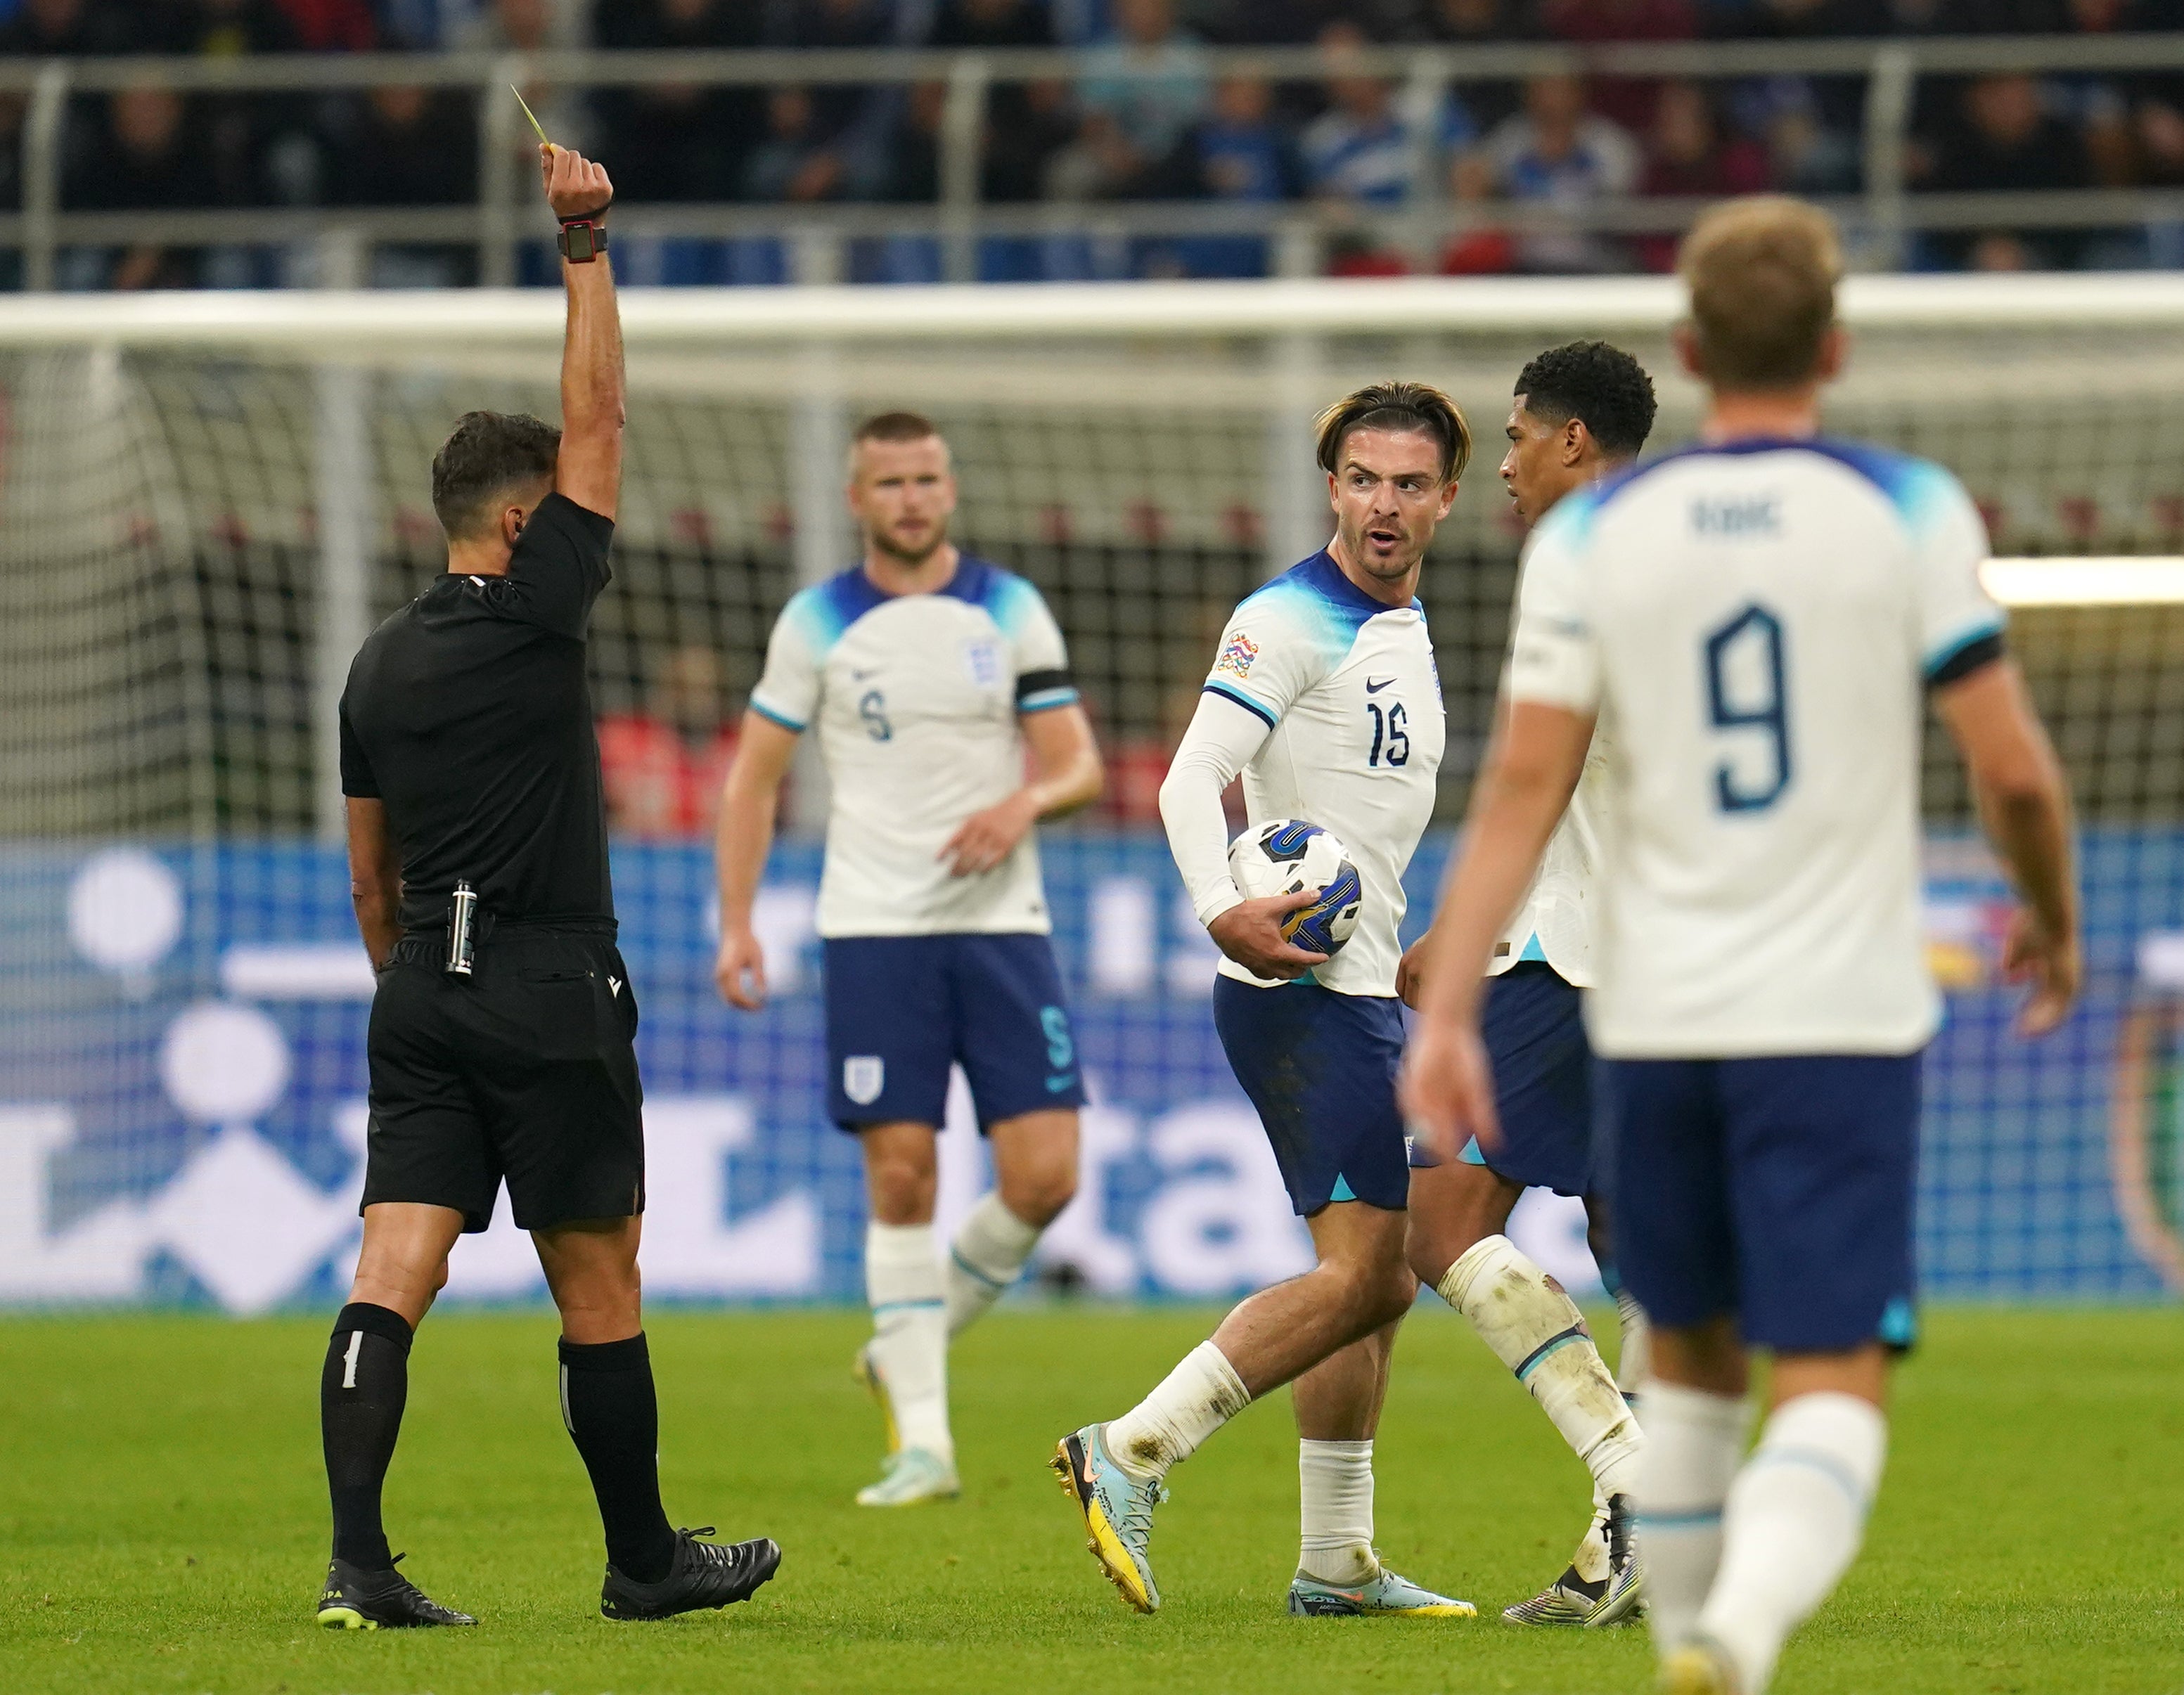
x: 163, y: 1520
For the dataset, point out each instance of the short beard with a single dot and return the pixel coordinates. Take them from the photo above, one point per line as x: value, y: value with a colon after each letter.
x: 886, y: 544
x: 1360, y: 552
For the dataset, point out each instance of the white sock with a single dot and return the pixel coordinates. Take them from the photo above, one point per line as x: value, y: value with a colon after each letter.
x: 1334, y: 1485
x: 1191, y: 1402
x: 910, y: 1332
x: 1634, y: 1355
x: 1693, y: 1443
x: 1796, y: 1514
x: 989, y: 1251
x: 1536, y: 1330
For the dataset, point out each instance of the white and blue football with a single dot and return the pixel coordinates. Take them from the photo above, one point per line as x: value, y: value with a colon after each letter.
x: 1287, y: 855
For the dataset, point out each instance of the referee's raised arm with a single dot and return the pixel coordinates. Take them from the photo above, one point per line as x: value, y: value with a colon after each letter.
x: 589, y: 469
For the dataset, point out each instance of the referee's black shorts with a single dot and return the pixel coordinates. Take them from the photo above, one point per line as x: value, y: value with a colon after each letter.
x: 524, y: 1071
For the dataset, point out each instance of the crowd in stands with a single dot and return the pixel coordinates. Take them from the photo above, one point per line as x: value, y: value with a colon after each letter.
x: 1145, y: 118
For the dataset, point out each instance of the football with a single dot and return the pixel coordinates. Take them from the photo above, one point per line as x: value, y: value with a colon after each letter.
x: 1288, y: 854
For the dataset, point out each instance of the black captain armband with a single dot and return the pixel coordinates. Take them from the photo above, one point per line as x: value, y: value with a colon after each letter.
x: 1974, y: 655
x: 1036, y: 690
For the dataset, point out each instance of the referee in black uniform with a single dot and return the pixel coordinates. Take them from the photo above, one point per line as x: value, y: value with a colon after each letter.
x: 501, y: 1033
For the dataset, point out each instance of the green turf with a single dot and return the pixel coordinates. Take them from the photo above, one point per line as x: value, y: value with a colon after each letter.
x: 162, y: 1519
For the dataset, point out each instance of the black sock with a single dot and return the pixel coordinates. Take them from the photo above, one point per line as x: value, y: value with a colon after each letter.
x: 361, y: 1393
x: 608, y: 1403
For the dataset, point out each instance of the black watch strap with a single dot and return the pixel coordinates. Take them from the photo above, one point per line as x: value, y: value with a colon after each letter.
x: 583, y: 240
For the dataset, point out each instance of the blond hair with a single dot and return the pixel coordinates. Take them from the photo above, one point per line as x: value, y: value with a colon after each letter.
x: 1762, y: 272
x: 1403, y: 407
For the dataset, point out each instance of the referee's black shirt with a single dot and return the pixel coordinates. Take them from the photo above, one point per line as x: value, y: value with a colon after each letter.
x: 469, y: 715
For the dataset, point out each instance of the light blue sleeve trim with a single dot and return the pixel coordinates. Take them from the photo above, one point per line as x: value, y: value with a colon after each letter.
x: 1948, y: 650
x: 1046, y: 701
x: 781, y: 718
x: 1244, y: 701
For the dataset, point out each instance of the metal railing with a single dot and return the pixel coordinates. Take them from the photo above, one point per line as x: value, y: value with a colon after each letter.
x: 1882, y: 216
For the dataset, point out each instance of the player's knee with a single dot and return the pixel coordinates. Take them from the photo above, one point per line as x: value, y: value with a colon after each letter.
x: 903, y: 1192
x: 1038, y: 1196
x: 1427, y: 1252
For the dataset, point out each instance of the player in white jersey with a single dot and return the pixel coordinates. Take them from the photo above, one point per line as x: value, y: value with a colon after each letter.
x: 1580, y: 412
x: 1763, y: 616
x: 925, y: 674
x: 1324, y: 698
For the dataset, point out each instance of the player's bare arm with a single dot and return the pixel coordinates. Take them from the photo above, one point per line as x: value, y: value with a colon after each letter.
x: 1531, y: 771
x: 593, y: 387
x: 750, y: 801
x: 1067, y: 775
x: 1251, y: 933
x: 374, y: 879
x: 2024, y: 803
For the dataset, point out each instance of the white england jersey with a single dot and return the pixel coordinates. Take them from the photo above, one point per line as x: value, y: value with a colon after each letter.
x: 916, y: 698
x: 1554, y: 925
x: 1760, y: 619
x: 1346, y: 686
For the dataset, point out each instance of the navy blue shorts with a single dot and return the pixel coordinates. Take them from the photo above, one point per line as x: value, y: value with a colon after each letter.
x: 1777, y: 1190
x: 1321, y: 1069
x: 1533, y: 1024
x: 902, y: 1009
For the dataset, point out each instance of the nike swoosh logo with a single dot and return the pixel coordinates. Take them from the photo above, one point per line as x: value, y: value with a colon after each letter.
x: 1371, y: 687
x: 1054, y: 1086
x: 858, y: 676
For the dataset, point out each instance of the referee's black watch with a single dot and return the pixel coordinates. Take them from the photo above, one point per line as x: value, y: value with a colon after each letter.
x: 583, y: 240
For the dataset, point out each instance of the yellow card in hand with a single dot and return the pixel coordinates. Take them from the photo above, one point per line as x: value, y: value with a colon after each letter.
x: 529, y: 114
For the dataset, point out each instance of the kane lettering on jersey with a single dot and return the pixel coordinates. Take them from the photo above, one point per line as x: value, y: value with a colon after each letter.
x: 1761, y: 619
x: 916, y: 698
x: 1347, y: 689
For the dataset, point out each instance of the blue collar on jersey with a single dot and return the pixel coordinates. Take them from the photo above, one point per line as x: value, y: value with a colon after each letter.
x: 1883, y: 467
x: 853, y: 594
x: 1322, y: 574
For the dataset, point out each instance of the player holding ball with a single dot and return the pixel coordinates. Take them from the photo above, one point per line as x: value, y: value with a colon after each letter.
x: 1324, y: 695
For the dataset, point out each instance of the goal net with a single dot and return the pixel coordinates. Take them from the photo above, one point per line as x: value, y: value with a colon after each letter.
x: 209, y: 501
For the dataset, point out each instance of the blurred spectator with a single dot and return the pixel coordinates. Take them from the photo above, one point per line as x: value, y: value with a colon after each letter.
x: 1291, y: 23
x: 798, y: 161
x: 1795, y: 20
x: 663, y: 766
x: 409, y: 147
x: 218, y: 29
x: 2007, y: 140
x: 992, y: 24
x: 831, y: 23
x: 1140, y: 94
x: 1479, y: 246
x: 678, y: 141
x: 332, y: 25
x: 70, y: 28
x: 1558, y: 154
x: 1472, y: 20
x: 1240, y: 151
x: 1029, y: 127
x: 1624, y: 100
x: 147, y: 156
x: 1806, y: 154
x: 1361, y: 148
x: 912, y: 160
x: 1685, y: 155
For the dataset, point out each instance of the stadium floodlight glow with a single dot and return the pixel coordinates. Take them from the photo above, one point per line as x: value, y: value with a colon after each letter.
x: 2116, y: 580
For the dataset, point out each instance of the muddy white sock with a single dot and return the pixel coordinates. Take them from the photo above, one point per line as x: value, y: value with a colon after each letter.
x: 1634, y: 1353
x: 1335, y: 1489
x: 1693, y: 1443
x: 1536, y: 1330
x: 1796, y: 1514
x: 988, y: 1252
x: 1191, y: 1402
x: 910, y: 1332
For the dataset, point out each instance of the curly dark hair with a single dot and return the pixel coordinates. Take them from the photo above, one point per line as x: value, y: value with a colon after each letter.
x: 488, y: 454
x: 1597, y: 384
